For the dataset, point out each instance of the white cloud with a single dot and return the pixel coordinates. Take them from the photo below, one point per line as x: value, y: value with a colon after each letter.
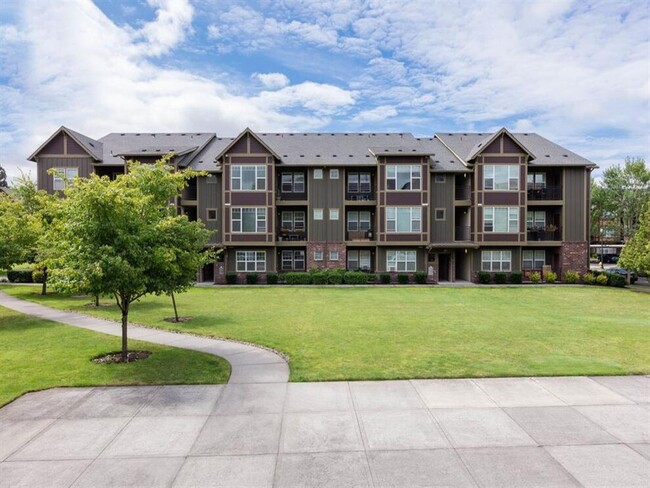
x: 173, y: 17
x: 376, y: 114
x: 272, y: 80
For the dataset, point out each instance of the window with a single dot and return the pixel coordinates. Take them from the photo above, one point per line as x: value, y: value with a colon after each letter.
x: 293, y: 221
x: 535, y: 219
x: 359, y: 221
x: 334, y: 174
x: 63, y: 177
x: 402, y: 177
x: 318, y: 174
x: 248, y: 177
x: 496, y: 260
x: 440, y: 178
x: 292, y: 183
x: 359, y: 183
x: 211, y: 214
x: 318, y: 255
x: 401, y: 260
x: 403, y: 219
x: 334, y: 256
x: 334, y: 213
x: 248, y: 219
x: 534, y: 259
x: 359, y: 260
x: 536, y: 181
x: 501, y: 219
x: 292, y: 260
x: 501, y: 177
x: 318, y: 214
x: 440, y: 214
x: 248, y: 261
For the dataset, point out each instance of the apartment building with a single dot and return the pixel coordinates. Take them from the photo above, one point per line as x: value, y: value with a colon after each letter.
x: 449, y: 205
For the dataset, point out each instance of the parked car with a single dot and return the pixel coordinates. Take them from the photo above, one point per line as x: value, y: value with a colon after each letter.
x: 608, y: 258
x: 624, y: 272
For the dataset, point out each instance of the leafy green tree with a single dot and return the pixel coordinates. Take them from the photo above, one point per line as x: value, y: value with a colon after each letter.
x: 636, y: 253
x: 3, y: 178
x: 123, y: 238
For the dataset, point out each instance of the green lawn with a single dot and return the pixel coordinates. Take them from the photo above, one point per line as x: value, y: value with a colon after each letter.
x: 380, y: 333
x: 36, y: 354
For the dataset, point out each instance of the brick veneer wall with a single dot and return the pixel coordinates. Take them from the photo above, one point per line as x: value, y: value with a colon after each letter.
x: 574, y: 256
x: 326, y: 247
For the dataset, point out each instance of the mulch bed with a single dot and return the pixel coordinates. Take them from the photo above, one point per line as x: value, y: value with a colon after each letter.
x: 116, y: 357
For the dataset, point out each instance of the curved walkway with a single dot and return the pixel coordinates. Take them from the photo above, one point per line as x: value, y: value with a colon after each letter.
x: 250, y: 364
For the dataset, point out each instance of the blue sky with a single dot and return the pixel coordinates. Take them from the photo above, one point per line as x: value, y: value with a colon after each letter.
x: 577, y: 72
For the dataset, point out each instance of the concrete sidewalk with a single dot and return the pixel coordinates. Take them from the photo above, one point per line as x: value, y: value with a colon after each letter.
x: 573, y: 431
x: 250, y: 364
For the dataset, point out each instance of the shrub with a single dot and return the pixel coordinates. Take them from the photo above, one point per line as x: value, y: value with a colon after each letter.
x: 601, y: 280
x: 516, y: 278
x: 500, y: 278
x: 483, y: 277
x: 571, y: 277
x: 551, y: 277
x: 616, y: 280
x: 336, y: 276
x: 385, y: 278
x: 298, y: 278
x: 589, y: 278
x: 251, y: 278
x: 38, y: 275
x: 355, y: 278
x: 372, y: 278
x: 420, y: 277
x: 271, y: 278
x: 320, y: 278
x: 231, y: 278
x: 535, y: 277
x: 403, y: 278
x: 20, y: 276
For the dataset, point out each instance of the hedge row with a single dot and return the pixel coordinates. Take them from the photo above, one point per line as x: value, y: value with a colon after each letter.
x: 570, y: 277
x: 328, y: 277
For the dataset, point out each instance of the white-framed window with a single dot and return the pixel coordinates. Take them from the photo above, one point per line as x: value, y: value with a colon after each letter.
x: 440, y: 214
x: 535, y: 219
x: 211, y: 214
x: 359, y: 221
x: 292, y: 182
x: 533, y: 259
x: 403, y: 219
x: 248, y: 219
x: 496, y: 260
x: 293, y: 221
x: 318, y: 174
x: 63, y: 177
x: 334, y: 256
x: 318, y: 214
x: 334, y: 213
x: 246, y: 177
x: 501, y: 177
x: 251, y: 261
x: 292, y: 260
x: 501, y: 219
x: 403, y: 177
x: 334, y: 174
x: 359, y: 183
x: 439, y: 178
x: 318, y: 255
x: 359, y: 260
x: 536, y: 181
x: 401, y: 260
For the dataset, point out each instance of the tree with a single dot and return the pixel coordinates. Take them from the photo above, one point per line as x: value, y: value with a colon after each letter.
x: 3, y: 178
x: 123, y: 238
x: 617, y: 202
x: 636, y: 253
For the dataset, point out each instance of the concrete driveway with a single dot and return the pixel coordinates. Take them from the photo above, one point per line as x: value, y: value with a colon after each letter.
x: 575, y: 431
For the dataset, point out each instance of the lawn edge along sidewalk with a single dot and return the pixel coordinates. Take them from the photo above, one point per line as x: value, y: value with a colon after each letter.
x: 249, y: 363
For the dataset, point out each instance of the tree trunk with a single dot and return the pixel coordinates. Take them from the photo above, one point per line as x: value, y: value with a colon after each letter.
x: 125, y: 321
x: 96, y: 300
x: 175, y: 309
x: 44, y: 285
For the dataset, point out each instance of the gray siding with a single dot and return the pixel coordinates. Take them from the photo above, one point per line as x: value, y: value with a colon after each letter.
x: 442, y: 196
x: 326, y: 194
x: 575, y: 218
x: 46, y: 181
x: 209, y: 196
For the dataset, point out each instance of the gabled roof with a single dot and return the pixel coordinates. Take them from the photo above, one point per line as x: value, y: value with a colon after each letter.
x: 481, y: 145
x: 91, y: 146
x: 247, y: 130
x: 123, y: 144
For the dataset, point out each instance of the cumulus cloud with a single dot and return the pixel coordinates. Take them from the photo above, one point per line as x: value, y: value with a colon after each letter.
x: 272, y: 80
x: 173, y: 18
x: 376, y: 114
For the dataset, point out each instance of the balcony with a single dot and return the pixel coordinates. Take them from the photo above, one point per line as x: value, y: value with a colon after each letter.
x: 290, y: 235
x: 545, y: 193
x: 368, y: 196
x: 360, y: 235
x: 291, y: 196
x: 545, y: 234
x: 462, y: 233
x: 462, y: 192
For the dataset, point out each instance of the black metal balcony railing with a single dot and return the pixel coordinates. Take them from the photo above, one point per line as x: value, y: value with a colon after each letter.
x: 544, y: 235
x: 291, y: 196
x: 546, y: 193
x: 189, y: 193
x: 360, y: 197
x: 462, y: 193
x: 360, y: 235
x: 291, y: 235
x: 462, y: 233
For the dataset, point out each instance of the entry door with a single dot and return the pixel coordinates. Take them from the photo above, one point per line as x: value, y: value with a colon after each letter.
x: 443, y: 267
